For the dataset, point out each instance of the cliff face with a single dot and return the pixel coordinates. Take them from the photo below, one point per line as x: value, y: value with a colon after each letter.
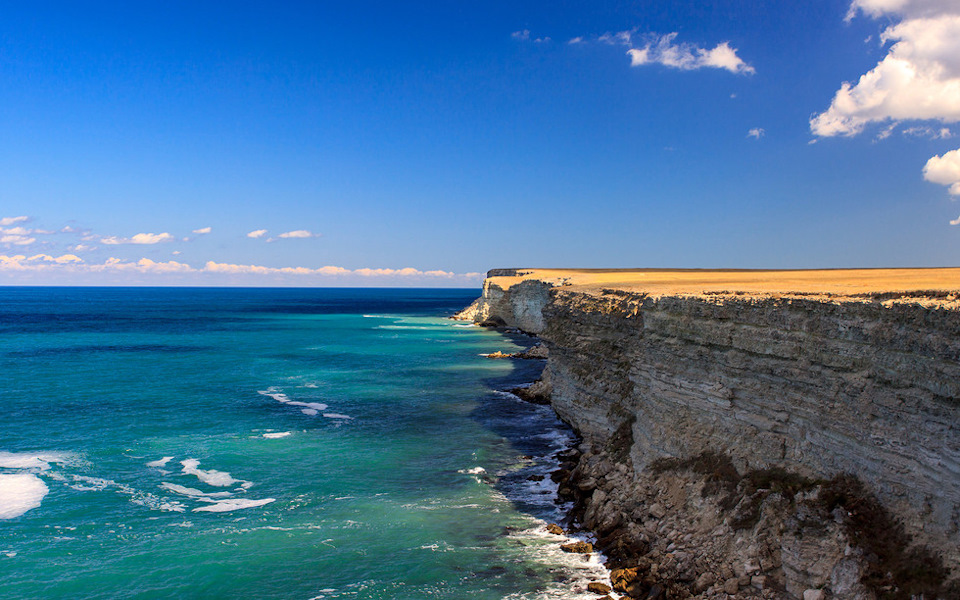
x: 815, y: 385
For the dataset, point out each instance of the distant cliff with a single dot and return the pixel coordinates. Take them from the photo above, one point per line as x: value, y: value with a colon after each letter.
x: 762, y: 402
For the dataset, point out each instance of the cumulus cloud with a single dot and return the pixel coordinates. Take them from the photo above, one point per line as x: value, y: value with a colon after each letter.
x: 257, y: 233
x: 64, y: 259
x: 19, y: 235
x: 203, y: 230
x: 37, y: 262
x: 687, y: 57
x: 944, y: 170
x: 14, y: 239
x: 955, y: 221
x: 144, y: 265
x: 664, y: 50
x: 756, y: 133
x: 299, y: 233
x: 918, y: 79
x: 140, y: 238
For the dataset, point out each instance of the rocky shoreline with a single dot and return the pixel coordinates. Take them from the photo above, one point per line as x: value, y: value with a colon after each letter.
x: 698, y: 529
x: 705, y: 524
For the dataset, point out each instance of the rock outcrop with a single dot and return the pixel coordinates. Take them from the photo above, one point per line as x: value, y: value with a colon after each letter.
x: 825, y: 415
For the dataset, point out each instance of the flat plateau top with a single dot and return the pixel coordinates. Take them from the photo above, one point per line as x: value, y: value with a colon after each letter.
x: 826, y: 282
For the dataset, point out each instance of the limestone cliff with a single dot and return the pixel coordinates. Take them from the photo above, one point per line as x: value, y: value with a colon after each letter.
x: 807, y: 384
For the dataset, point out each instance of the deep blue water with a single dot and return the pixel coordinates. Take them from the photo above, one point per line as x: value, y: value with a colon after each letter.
x: 269, y: 443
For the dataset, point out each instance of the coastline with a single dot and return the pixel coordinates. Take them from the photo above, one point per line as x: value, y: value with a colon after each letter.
x: 660, y: 522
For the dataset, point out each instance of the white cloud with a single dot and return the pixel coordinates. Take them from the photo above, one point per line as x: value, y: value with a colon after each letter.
x: 918, y: 79
x: 942, y: 133
x: 203, y: 230
x: 944, y: 170
x: 299, y: 233
x: 756, y: 133
x: 576, y: 40
x: 955, y: 221
x: 16, y: 239
x: 37, y: 262
x: 524, y: 36
x: 663, y: 50
x: 16, y: 231
x: 144, y: 265
x: 65, y: 259
x: 73, y: 265
x: 140, y: 238
x: 907, y: 8
x: 215, y: 267
x: 257, y: 233
x: 11, y: 220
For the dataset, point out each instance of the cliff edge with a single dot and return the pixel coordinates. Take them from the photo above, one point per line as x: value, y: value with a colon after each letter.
x: 769, y: 434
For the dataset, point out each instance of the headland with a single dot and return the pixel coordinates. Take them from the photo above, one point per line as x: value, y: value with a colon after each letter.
x: 747, y: 434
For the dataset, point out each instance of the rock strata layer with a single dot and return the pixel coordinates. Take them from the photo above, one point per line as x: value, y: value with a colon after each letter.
x: 742, y: 440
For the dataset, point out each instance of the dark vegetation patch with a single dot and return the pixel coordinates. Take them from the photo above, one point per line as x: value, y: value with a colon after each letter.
x: 896, y: 569
x: 619, y: 444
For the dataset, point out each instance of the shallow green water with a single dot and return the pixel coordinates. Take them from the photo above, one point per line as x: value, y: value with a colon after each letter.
x: 210, y: 443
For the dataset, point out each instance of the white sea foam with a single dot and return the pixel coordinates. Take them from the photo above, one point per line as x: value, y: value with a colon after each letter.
x: 210, y: 477
x: 233, y: 504
x: 28, y: 460
x: 337, y: 416
x: 274, y: 393
x: 464, y: 325
x: 473, y: 471
x: 317, y: 406
x: 160, y: 463
x: 307, y: 408
x: 193, y: 492
x: 85, y: 483
x: 20, y: 492
x: 277, y: 435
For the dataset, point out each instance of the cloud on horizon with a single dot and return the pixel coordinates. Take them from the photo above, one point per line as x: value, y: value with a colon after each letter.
x: 140, y: 238
x: 70, y: 263
x: 203, y: 230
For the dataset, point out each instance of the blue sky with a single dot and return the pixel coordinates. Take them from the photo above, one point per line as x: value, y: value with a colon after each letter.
x: 397, y: 144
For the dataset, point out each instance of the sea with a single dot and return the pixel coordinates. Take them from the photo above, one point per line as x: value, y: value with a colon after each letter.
x: 272, y: 443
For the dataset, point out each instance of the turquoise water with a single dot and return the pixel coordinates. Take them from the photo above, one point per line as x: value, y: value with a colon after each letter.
x: 251, y: 443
